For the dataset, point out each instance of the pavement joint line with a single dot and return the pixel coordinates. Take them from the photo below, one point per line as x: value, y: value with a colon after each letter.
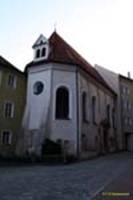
x: 100, y: 189
x: 106, y: 184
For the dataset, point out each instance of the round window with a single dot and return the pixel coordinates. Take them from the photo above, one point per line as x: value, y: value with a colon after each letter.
x: 38, y: 88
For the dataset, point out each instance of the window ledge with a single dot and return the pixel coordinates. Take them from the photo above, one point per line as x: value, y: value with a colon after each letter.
x: 62, y: 119
x: 86, y: 121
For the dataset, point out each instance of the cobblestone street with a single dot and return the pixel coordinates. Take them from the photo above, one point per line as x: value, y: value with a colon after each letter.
x: 80, y: 181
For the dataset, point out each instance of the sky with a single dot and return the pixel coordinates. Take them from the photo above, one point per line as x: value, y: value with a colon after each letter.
x: 100, y: 30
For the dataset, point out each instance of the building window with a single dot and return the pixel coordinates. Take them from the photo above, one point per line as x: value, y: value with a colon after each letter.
x: 125, y: 120
x: 130, y: 121
x: 129, y: 105
x: 62, y: 103
x: 0, y: 77
x: 113, y: 118
x: 125, y: 90
x: 84, y: 106
x: 37, y: 53
x: 6, y: 137
x: 128, y: 91
x: 84, y: 142
x: 12, y: 81
x: 108, y: 112
x: 38, y: 88
x: 43, y: 52
x: 94, y: 110
x: 124, y: 104
x: 9, y: 110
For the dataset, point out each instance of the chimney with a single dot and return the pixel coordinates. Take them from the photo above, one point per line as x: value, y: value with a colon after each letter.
x: 128, y: 74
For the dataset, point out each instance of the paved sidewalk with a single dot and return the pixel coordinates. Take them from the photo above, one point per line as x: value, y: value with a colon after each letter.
x: 119, y: 189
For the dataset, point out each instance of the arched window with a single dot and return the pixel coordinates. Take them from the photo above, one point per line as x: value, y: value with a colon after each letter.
x: 43, y: 52
x: 113, y: 118
x: 62, y: 103
x: 84, y: 106
x: 38, y: 53
x: 84, y: 142
x: 94, y: 109
x: 108, y: 112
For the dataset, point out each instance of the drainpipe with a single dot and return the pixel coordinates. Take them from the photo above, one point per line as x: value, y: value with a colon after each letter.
x: 77, y: 114
x: 121, y: 119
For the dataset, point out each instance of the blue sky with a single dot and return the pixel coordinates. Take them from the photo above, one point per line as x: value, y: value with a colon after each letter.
x: 100, y: 30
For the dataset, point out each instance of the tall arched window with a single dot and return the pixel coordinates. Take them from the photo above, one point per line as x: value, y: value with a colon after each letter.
x: 62, y: 103
x: 108, y: 112
x: 94, y: 109
x: 113, y: 118
x: 84, y: 106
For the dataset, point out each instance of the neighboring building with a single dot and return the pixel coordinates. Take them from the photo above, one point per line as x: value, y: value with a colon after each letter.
x: 126, y: 90
x: 67, y: 101
x: 12, y: 102
x: 123, y: 86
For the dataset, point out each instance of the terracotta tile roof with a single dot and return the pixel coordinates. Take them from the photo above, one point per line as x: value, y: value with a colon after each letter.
x: 7, y: 64
x: 62, y: 52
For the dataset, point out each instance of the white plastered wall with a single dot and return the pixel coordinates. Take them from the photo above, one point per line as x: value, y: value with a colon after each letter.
x: 64, y: 75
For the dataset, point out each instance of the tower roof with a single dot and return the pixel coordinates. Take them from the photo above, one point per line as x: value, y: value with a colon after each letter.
x: 62, y: 52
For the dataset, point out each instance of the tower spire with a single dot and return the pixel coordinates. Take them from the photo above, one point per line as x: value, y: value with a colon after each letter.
x: 55, y: 26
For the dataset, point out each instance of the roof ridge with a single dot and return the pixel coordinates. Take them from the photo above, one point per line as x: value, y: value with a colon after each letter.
x: 5, y: 62
x: 78, y: 54
x: 82, y: 60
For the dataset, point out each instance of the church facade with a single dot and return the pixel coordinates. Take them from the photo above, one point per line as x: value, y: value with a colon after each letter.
x: 67, y: 101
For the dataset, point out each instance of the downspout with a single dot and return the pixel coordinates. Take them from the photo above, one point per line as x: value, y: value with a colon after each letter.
x: 77, y: 114
x: 121, y: 119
